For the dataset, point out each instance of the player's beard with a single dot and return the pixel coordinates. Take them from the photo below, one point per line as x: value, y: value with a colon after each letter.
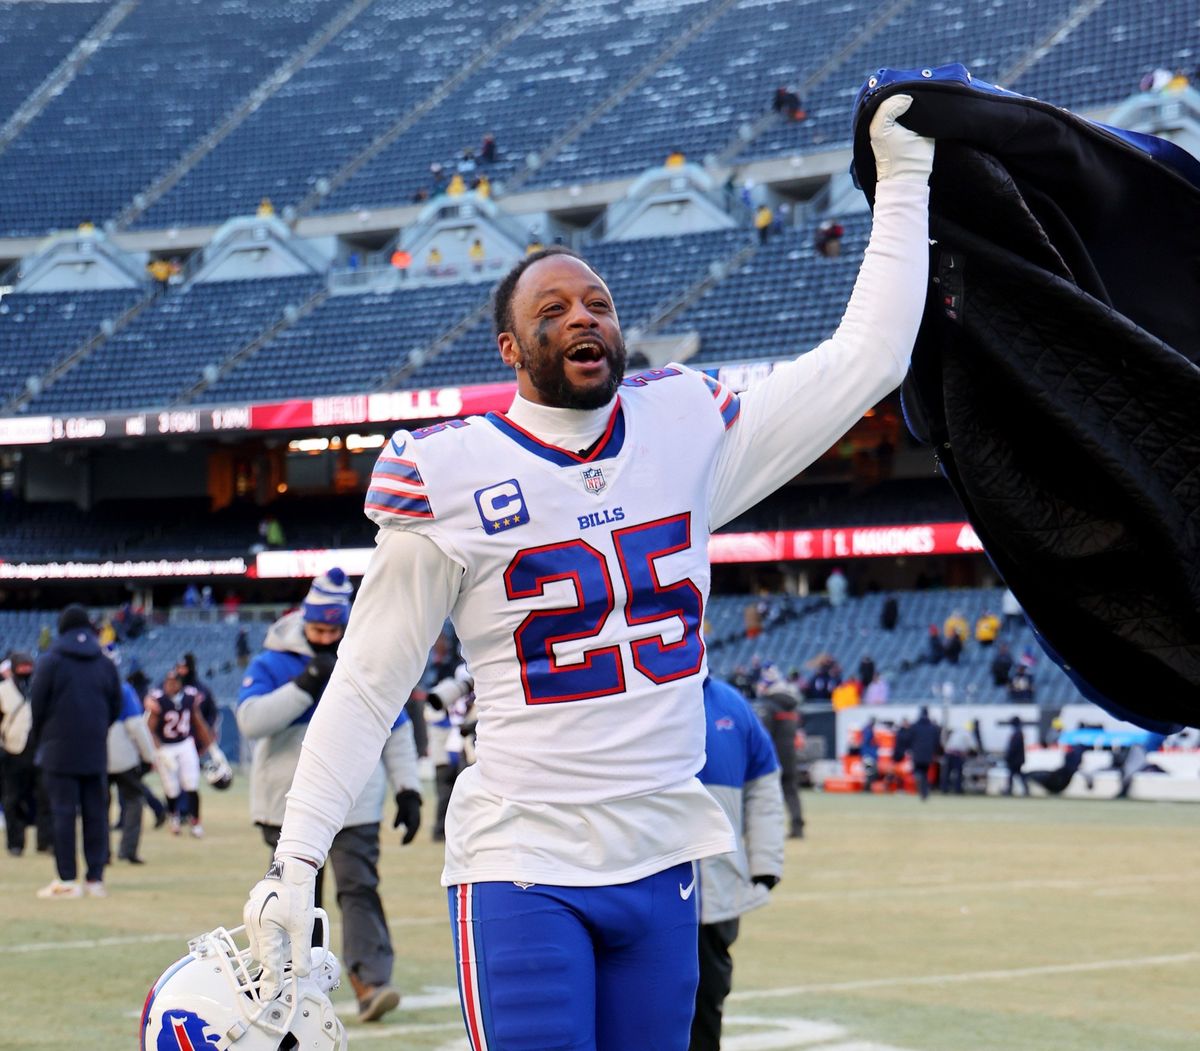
x: 547, y: 372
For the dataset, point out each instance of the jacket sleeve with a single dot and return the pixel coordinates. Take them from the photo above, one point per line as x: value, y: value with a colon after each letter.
x: 139, y: 734
x: 40, y: 693
x: 762, y: 804
x: 113, y: 693
x: 265, y: 708
x: 400, y: 758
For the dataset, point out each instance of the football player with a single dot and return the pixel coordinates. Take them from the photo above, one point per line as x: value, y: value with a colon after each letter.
x: 181, y: 734
x: 567, y: 539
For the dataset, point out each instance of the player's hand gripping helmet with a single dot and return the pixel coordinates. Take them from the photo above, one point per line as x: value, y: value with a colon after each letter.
x: 210, y: 1001
x: 216, y: 768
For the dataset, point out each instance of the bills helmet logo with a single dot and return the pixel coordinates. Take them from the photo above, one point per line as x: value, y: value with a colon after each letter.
x: 724, y: 723
x: 593, y: 479
x: 185, y: 1031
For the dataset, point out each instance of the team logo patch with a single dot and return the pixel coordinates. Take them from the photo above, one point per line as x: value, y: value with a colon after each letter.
x: 185, y: 1031
x: 593, y: 479
x: 724, y: 723
x: 502, y: 506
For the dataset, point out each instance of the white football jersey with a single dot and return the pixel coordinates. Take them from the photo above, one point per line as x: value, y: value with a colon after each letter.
x: 586, y: 577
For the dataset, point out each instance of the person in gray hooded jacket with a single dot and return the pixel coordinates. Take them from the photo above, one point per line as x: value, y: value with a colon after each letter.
x: 279, y: 694
x: 742, y: 773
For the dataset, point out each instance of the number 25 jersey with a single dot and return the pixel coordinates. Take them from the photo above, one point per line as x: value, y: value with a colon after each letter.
x: 580, y: 611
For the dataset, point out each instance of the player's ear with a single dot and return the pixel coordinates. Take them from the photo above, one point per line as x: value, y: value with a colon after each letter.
x: 510, y: 353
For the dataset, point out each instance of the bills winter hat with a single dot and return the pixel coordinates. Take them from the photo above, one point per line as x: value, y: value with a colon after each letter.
x: 328, y: 600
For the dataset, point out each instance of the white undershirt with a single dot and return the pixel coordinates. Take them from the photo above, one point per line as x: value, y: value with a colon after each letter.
x: 789, y: 419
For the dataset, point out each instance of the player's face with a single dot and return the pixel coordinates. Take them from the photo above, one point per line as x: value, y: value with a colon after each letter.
x: 566, y: 337
x: 322, y: 634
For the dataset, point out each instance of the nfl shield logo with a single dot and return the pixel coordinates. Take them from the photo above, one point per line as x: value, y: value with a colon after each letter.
x: 593, y: 479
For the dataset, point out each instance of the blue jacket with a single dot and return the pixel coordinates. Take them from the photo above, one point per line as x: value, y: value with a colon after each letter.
x: 75, y: 695
x: 741, y: 773
x: 273, y: 713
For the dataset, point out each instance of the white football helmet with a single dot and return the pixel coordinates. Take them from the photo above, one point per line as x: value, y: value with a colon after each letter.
x: 216, y: 769
x: 209, y: 1001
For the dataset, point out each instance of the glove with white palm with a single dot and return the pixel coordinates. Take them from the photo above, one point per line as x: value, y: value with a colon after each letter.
x: 279, y: 921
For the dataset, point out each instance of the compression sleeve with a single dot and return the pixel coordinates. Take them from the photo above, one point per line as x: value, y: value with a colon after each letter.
x: 797, y: 412
x: 407, y: 593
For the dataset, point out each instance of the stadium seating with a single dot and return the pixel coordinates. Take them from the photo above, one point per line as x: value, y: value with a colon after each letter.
x: 156, y: 86
x: 531, y: 92
x: 852, y: 630
x: 368, y: 336
x: 988, y: 37
x: 34, y: 39
x: 1103, y: 58
x: 781, y: 302
x: 37, y: 330
x: 440, y: 76
x: 701, y: 99
x: 167, y: 347
x: 378, y: 68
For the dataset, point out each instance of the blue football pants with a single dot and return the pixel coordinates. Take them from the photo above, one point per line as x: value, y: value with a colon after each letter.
x: 547, y: 968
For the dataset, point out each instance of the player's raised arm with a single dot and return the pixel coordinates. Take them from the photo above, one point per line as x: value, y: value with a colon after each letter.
x: 794, y: 415
x: 409, y: 589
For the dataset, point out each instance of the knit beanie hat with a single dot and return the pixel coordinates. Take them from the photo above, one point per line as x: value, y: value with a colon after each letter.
x: 73, y: 616
x: 328, y: 600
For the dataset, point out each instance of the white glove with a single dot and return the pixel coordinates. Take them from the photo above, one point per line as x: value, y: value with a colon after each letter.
x: 899, y: 152
x: 279, y: 921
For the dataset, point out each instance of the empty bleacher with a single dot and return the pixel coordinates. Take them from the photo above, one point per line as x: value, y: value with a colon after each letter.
x: 34, y: 39
x: 157, y: 85
x: 531, y: 92
x: 384, y: 63
x: 168, y: 346
x: 172, y: 71
x: 37, y: 330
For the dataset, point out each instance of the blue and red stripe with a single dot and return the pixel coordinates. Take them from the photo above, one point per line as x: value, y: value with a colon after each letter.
x: 730, y: 404
x: 398, y: 470
x: 413, y: 505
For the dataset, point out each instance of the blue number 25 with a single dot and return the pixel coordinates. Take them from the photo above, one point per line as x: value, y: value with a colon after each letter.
x: 649, y: 601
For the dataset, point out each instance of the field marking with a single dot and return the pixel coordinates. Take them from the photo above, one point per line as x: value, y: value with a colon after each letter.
x: 101, y: 943
x: 966, y: 976
x: 1097, y: 886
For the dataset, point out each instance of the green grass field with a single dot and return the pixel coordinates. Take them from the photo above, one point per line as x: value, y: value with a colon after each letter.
x: 964, y: 924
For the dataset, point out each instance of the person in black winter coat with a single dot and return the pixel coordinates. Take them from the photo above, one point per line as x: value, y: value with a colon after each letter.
x: 926, y: 735
x: 1014, y: 756
x: 75, y: 696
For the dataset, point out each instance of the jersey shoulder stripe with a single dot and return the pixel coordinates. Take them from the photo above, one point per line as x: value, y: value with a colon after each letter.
x: 729, y: 404
x: 397, y: 488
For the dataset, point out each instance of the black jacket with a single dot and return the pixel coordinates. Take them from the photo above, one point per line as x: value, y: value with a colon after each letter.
x: 1055, y: 375
x: 74, y: 697
x: 926, y: 736
x: 1014, y: 753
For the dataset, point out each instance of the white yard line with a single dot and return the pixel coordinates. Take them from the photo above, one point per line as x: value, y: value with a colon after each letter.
x: 102, y: 943
x: 1127, y: 884
x: 967, y: 976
